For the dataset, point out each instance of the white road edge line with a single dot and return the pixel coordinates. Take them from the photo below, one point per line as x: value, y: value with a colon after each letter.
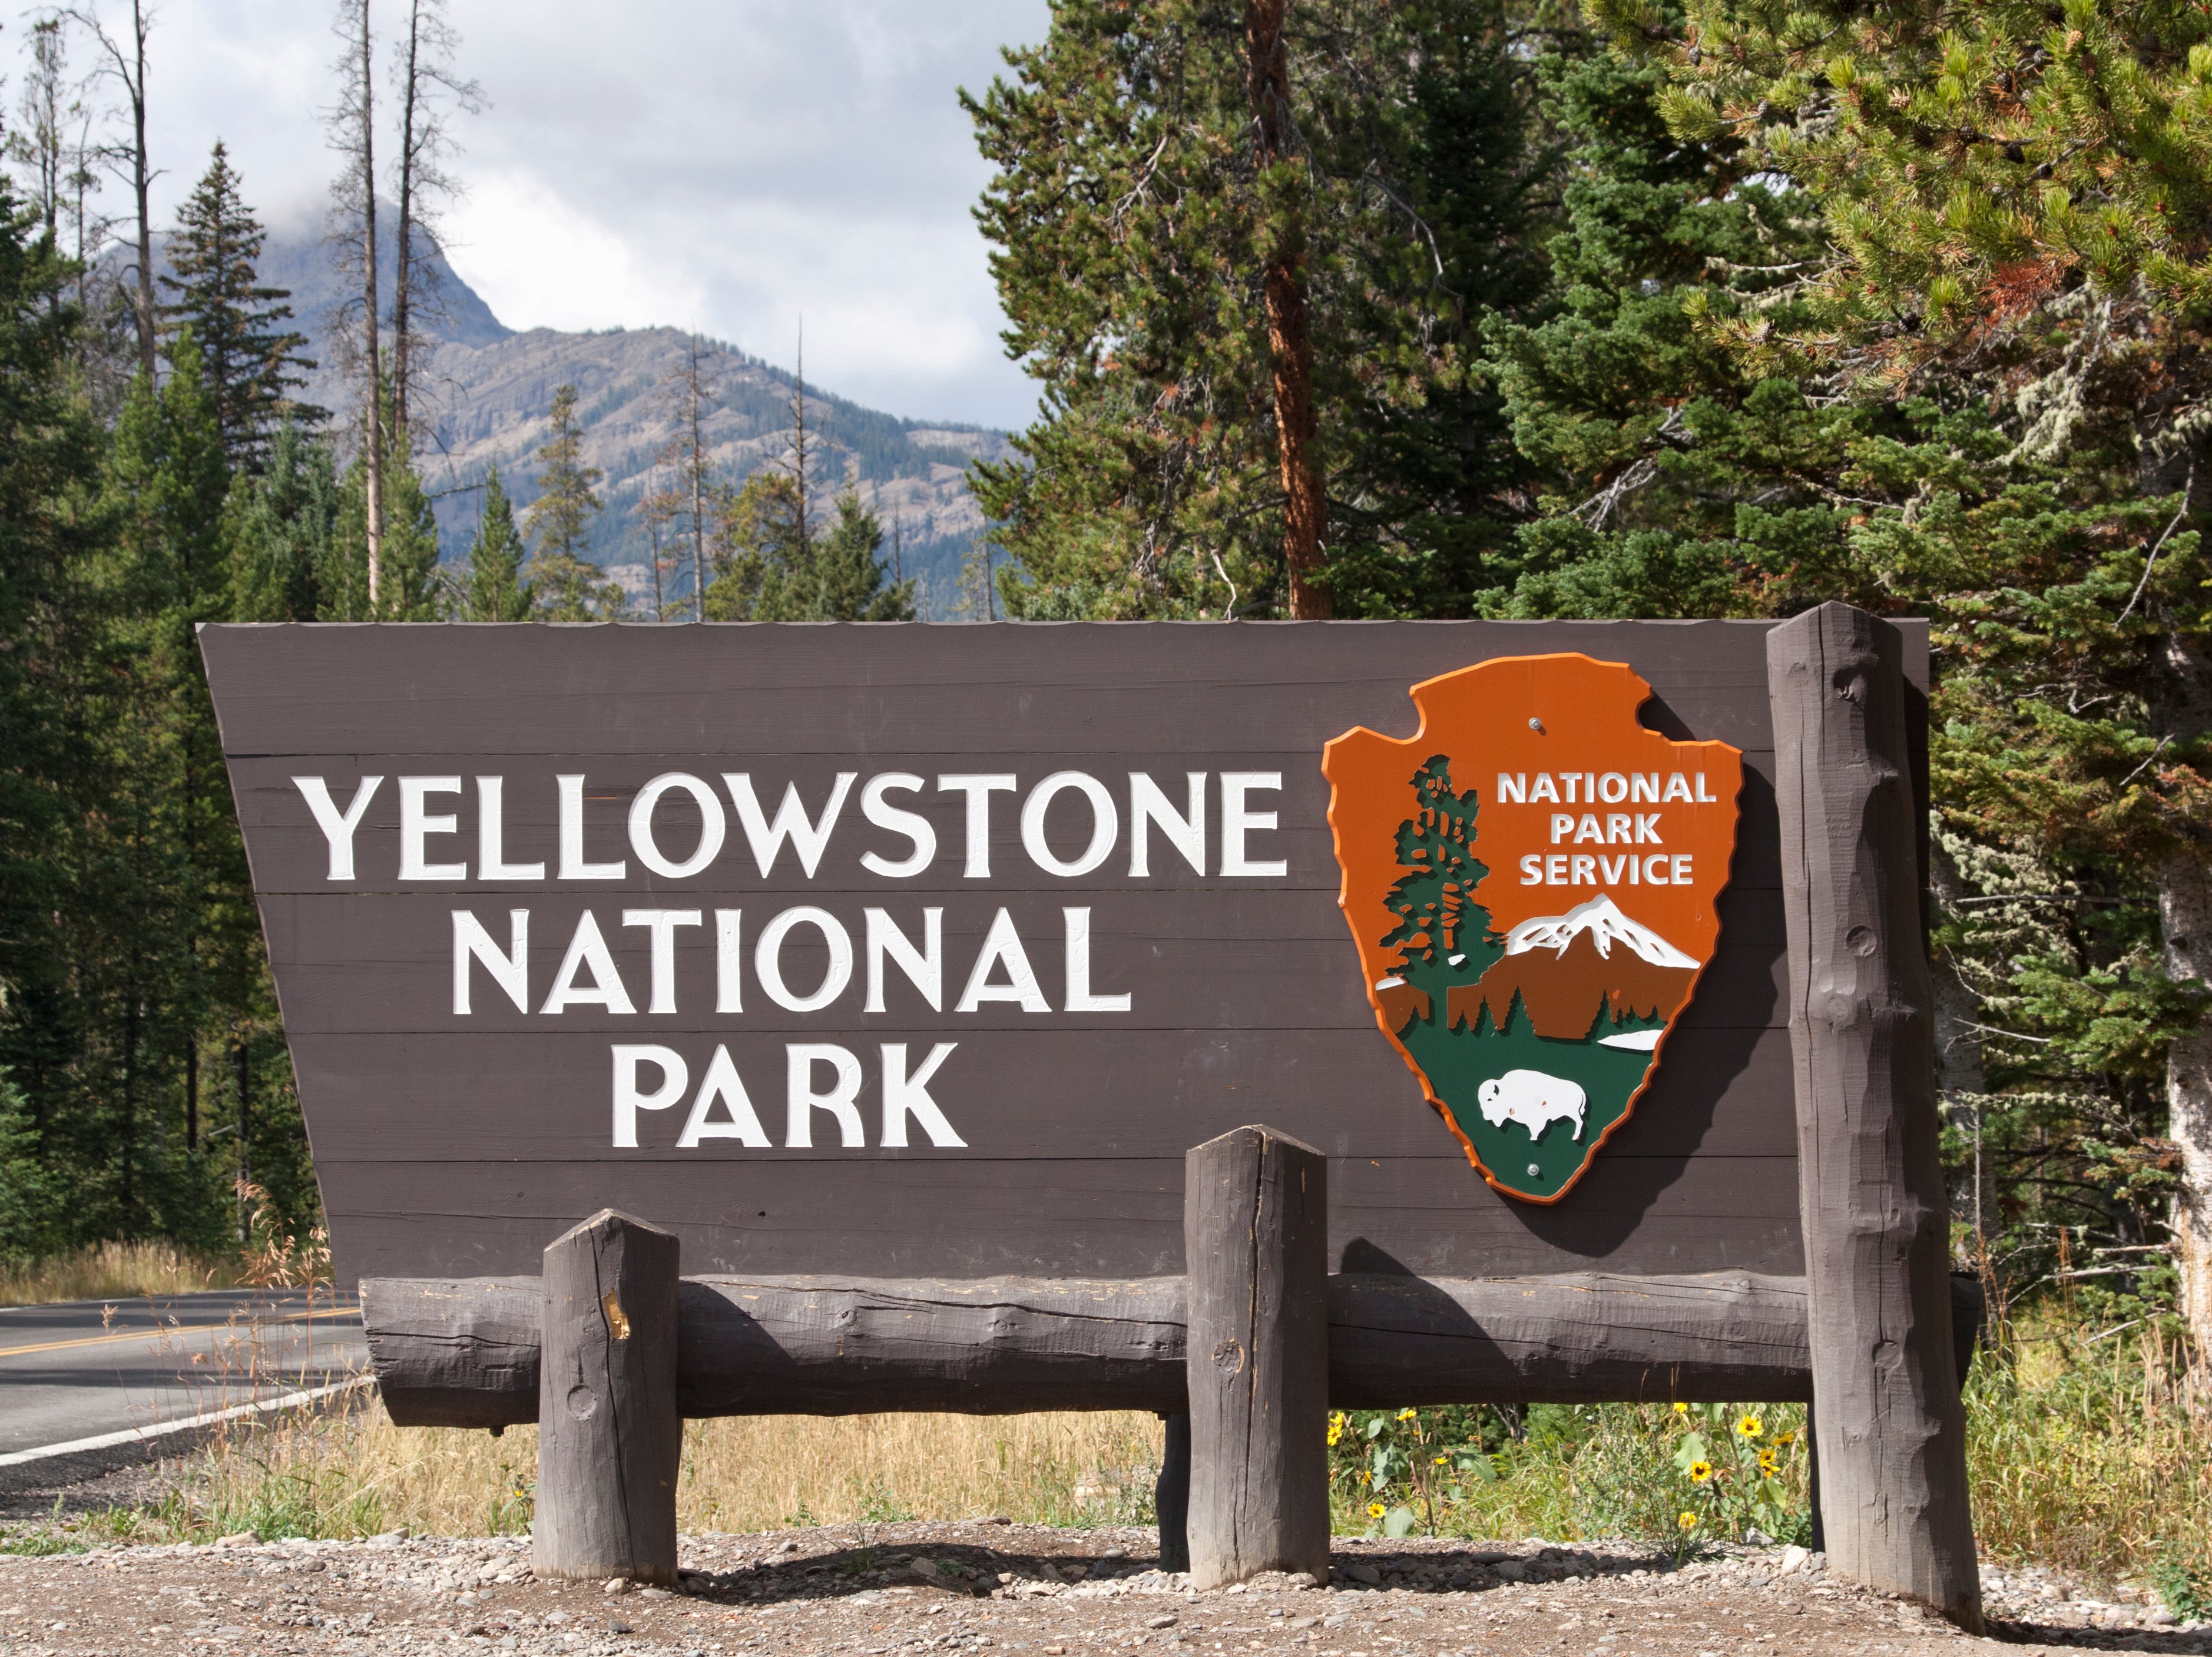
x: 140, y: 1435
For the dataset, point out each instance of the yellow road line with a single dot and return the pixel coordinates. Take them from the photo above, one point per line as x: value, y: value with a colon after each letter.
x: 168, y: 1329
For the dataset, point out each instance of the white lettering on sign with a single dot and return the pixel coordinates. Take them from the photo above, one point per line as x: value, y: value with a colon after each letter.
x: 818, y: 1076
x: 1240, y: 831
x: 661, y: 958
x: 416, y: 825
x: 1105, y: 824
x: 1570, y: 869
x: 1237, y: 822
x: 573, y: 865
x: 915, y: 826
x: 802, y: 1100
x: 740, y: 1121
x: 491, y: 837
x: 588, y: 952
x: 510, y: 969
x: 908, y: 1095
x: 337, y: 827
x: 1185, y: 830
x: 768, y: 959
x: 924, y: 968
x: 712, y: 826
x: 631, y: 1097
x: 809, y: 837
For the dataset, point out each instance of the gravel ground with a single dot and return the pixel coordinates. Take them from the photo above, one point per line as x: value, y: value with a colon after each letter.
x: 988, y: 1587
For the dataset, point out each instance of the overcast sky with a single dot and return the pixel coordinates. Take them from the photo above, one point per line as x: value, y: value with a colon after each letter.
x: 727, y: 165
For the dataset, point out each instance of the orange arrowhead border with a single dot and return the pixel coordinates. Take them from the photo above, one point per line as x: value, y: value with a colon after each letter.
x: 1371, y: 793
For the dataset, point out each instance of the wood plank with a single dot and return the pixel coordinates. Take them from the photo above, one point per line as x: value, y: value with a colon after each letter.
x: 1891, y: 1430
x: 1728, y: 1094
x: 291, y: 853
x: 1088, y: 1217
x: 763, y: 688
x: 366, y: 964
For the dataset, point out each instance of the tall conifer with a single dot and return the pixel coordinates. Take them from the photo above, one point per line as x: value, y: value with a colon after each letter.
x: 248, y: 356
x: 494, y: 589
x: 1159, y: 249
x: 568, y: 585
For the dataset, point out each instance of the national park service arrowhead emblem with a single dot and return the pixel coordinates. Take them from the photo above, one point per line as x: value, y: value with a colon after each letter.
x: 1531, y: 881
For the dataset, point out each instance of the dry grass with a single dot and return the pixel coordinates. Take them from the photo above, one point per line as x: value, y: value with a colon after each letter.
x: 114, y: 1271
x: 2084, y: 1453
x: 349, y: 1472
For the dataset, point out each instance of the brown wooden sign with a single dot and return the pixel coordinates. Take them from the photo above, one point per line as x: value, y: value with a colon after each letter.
x: 919, y: 950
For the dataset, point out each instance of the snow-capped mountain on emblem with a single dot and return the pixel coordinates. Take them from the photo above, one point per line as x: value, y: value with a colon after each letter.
x: 1600, y: 920
x: 1532, y: 881
x: 1569, y: 977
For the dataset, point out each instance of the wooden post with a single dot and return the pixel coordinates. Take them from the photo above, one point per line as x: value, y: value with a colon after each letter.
x: 1171, y: 1493
x: 609, y: 1438
x: 1255, y: 1242
x: 1891, y: 1432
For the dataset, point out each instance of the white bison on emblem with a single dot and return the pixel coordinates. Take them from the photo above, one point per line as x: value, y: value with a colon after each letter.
x: 1534, y: 1100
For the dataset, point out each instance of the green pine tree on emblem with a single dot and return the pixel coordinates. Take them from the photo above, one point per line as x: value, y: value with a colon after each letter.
x: 1442, y: 935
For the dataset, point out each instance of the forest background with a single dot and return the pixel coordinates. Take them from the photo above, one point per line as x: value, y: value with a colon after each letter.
x: 1411, y: 307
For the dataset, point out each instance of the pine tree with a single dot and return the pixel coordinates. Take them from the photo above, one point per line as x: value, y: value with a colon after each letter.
x: 2017, y: 206
x: 281, y: 527
x: 1677, y: 480
x: 495, y: 589
x: 247, y: 354
x: 52, y: 520
x: 405, y: 586
x: 762, y: 565
x: 32, y: 1219
x: 849, y: 579
x: 166, y: 825
x: 1157, y: 243
x: 569, y: 587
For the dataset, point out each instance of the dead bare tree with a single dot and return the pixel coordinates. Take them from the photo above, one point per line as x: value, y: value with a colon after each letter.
x: 795, y: 461
x: 351, y: 238
x: 39, y: 143
x: 427, y: 88
x: 126, y: 65
x: 685, y: 452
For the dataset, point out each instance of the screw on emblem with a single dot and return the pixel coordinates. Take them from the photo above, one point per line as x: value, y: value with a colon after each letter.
x: 1534, y: 1172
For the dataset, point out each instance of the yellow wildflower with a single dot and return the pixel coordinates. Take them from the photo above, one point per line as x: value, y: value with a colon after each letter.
x: 1700, y: 1471
x: 1751, y: 1426
x: 1441, y: 1459
x: 1375, y: 1510
x: 1767, y: 1463
x: 1408, y: 1415
x: 1335, y: 1431
x: 1681, y: 1409
x: 1688, y: 1521
x: 1785, y: 1438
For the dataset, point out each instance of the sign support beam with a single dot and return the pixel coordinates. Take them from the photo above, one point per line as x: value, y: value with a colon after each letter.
x: 611, y: 1438
x: 1256, y: 1243
x: 1891, y: 1430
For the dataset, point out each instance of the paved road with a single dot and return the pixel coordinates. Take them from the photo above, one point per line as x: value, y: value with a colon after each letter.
x: 84, y: 1368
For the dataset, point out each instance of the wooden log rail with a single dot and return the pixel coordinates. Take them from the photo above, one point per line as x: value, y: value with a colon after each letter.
x: 464, y: 1352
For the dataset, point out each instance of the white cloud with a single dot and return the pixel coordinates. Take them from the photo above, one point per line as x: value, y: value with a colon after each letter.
x: 541, y: 262
x: 731, y: 164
